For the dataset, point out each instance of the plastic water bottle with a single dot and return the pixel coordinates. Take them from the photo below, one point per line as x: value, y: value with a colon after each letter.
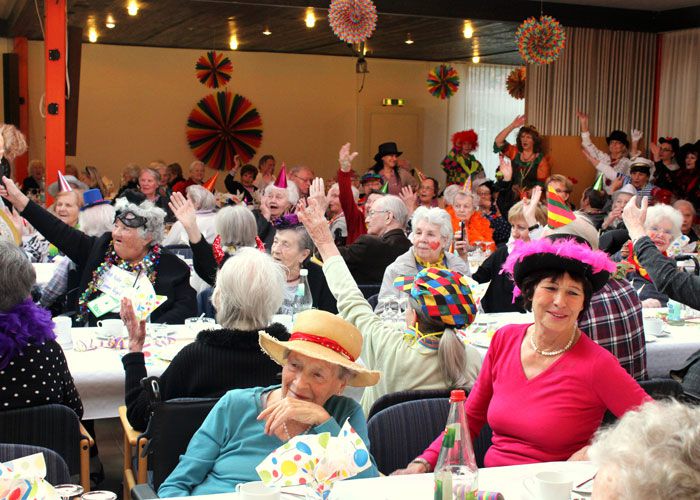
x: 456, y: 473
x: 302, y: 296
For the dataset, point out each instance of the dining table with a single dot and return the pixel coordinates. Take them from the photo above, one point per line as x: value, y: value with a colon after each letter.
x: 508, y: 481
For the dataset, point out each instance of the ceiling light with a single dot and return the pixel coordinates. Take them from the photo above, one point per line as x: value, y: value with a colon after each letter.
x: 267, y: 31
x: 110, y: 23
x: 476, y: 59
x: 92, y: 35
x: 310, y: 18
x: 409, y: 40
x: 468, y: 30
x: 233, y: 42
x: 132, y: 8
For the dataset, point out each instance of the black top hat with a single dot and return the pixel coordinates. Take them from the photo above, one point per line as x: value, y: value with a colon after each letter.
x: 618, y: 135
x: 673, y: 141
x: 387, y: 148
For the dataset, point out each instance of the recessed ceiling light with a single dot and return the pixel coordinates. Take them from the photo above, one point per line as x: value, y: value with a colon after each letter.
x: 310, y: 18
x: 110, y: 23
x: 476, y: 59
x: 132, y: 8
x: 408, y: 40
x: 92, y: 35
x: 233, y: 42
x: 468, y: 31
x: 267, y: 31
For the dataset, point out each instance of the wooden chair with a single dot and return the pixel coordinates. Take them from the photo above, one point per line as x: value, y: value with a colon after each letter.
x: 133, y: 454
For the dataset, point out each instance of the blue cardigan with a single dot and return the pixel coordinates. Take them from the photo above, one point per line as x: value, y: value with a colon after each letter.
x: 232, y: 442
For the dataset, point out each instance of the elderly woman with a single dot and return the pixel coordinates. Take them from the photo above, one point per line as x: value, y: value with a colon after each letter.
x: 247, y: 424
x: 130, y: 179
x: 133, y: 246
x: 530, y: 165
x: 546, y: 375
x: 486, y: 191
x: 248, y: 291
x: 619, y: 199
x: 460, y: 164
x: 34, y: 183
x: 425, y: 353
x: 26, y: 338
x: 662, y: 225
x: 650, y: 453
x: 67, y: 209
x: 149, y: 183
x: 431, y: 237
x: 294, y: 248
x: 470, y: 227
x: 275, y: 202
x: 204, y: 205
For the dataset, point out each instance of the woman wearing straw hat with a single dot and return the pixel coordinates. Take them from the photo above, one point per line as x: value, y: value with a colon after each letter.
x: 427, y: 352
x: 317, y: 361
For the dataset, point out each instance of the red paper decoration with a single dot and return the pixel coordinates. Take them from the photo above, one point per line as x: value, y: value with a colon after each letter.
x: 214, y: 69
x: 515, y: 83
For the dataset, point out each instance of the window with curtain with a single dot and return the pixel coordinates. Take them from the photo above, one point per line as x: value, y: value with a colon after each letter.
x: 488, y: 108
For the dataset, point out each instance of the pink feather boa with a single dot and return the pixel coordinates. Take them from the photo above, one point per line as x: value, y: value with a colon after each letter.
x: 567, y: 248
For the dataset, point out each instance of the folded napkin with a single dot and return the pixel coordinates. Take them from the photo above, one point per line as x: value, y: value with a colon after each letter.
x: 23, y: 478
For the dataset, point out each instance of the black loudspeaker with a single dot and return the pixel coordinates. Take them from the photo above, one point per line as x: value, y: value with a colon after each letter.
x: 10, y: 88
x: 74, y: 46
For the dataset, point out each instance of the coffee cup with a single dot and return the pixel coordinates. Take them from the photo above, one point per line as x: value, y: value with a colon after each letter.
x: 63, y: 331
x: 110, y: 327
x: 198, y: 324
x: 257, y: 490
x: 653, y: 326
x: 549, y: 485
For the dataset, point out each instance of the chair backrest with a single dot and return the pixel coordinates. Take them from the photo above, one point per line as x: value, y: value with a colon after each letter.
x: 657, y: 388
x: 204, y: 305
x: 56, y: 468
x: 53, y: 426
x: 401, y: 432
x: 170, y: 429
x: 611, y: 241
x: 395, y: 398
x: 369, y: 289
x: 373, y: 301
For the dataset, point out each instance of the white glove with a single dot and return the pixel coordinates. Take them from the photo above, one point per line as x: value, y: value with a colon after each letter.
x: 636, y: 135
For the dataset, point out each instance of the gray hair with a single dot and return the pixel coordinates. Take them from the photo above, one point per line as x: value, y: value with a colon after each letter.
x: 132, y: 170
x: 661, y: 212
x: 467, y: 194
x: 249, y: 290
x: 685, y: 203
x: 305, y: 241
x: 16, y: 285
x: 394, y: 205
x: 292, y: 195
x: 655, y: 450
x: 201, y: 197
x: 97, y: 220
x: 449, y: 193
x: 152, y: 171
x: 355, y: 191
x: 155, y: 217
x: 436, y: 216
x: 236, y: 226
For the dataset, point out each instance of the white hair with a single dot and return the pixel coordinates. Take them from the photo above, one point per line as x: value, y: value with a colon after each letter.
x: 292, y: 193
x: 249, y: 290
x: 436, y: 216
x: 655, y: 451
x: 467, y: 194
x: 236, y: 226
x: 355, y: 191
x: 201, y: 197
x: 97, y: 220
x: 155, y: 217
x: 662, y: 212
x: 394, y: 205
x: 685, y: 203
x: 449, y: 193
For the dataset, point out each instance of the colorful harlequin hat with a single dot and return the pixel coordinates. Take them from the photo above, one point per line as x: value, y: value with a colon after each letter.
x: 325, y: 336
x: 370, y: 176
x: 443, y: 294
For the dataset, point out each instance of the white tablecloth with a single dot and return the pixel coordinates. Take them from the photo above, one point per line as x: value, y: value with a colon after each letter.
x: 99, y: 373
x: 506, y: 480
x: 663, y: 353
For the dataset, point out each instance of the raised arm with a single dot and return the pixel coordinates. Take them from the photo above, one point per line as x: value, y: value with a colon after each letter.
x: 519, y: 121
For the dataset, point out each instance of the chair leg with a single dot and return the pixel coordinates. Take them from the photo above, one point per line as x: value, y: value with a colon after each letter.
x: 85, y: 464
x: 142, y: 473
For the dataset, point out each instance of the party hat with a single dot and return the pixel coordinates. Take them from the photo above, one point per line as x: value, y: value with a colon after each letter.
x: 558, y: 212
x: 421, y: 175
x: 599, y: 183
x: 211, y: 183
x: 281, y: 181
x: 467, y: 185
x: 63, y: 183
x: 385, y: 188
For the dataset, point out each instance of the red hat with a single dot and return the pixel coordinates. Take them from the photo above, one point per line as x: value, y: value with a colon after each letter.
x: 281, y: 181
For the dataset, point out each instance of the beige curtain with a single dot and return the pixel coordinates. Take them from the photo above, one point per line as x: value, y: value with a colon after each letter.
x: 679, y: 93
x: 608, y: 74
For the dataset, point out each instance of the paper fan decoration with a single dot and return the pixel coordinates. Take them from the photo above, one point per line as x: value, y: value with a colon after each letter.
x: 214, y: 69
x: 540, y: 42
x: 353, y: 21
x: 515, y: 83
x: 443, y: 81
x: 221, y: 126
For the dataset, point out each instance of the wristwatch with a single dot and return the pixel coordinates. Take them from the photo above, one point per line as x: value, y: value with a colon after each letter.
x: 424, y: 463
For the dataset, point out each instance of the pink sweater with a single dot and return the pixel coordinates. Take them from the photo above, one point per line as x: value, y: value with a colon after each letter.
x: 551, y: 416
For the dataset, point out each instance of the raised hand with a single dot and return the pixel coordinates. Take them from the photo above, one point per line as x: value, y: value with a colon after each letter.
x: 519, y: 121
x: 582, y: 120
x: 312, y: 216
x: 345, y: 158
x: 506, y: 168
x: 10, y: 191
x: 654, y: 148
x: 634, y: 217
x: 136, y: 328
x: 530, y: 209
x: 636, y: 135
x: 184, y: 211
x: 317, y: 191
x: 408, y: 196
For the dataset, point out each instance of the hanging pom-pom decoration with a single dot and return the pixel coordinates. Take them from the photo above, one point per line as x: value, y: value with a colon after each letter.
x: 353, y: 21
x: 443, y: 81
x: 213, y: 69
x: 221, y: 126
x: 540, y: 42
x: 515, y: 83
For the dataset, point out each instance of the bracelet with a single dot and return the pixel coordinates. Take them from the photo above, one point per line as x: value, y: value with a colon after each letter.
x: 533, y: 227
x: 424, y: 462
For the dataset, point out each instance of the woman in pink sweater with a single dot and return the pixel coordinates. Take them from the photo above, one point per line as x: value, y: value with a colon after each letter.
x: 544, y: 387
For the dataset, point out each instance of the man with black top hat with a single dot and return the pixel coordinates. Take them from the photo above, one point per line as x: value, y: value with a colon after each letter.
x: 386, y: 164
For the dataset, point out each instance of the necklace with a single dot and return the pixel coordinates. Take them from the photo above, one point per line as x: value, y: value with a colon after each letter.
x: 286, y: 431
x: 553, y: 353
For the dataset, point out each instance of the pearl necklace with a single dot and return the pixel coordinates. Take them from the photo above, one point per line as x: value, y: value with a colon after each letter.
x: 286, y: 431
x: 553, y: 353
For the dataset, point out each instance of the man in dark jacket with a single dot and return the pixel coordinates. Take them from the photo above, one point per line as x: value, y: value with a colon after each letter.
x: 370, y: 254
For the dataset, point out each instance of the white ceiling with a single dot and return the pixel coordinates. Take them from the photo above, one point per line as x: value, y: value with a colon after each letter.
x: 653, y: 5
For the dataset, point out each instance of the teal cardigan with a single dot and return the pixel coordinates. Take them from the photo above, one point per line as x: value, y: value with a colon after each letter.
x: 232, y: 442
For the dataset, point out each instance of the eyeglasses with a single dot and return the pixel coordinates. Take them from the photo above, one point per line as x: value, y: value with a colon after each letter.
x: 372, y: 212
x: 130, y: 219
x: 307, y: 180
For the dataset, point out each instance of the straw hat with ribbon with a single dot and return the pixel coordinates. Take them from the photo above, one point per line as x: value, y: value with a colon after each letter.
x: 325, y: 336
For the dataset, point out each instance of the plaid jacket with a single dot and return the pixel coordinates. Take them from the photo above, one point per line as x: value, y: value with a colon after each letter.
x: 614, y: 321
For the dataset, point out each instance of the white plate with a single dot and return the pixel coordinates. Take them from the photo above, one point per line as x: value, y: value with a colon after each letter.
x: 649, y: 339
